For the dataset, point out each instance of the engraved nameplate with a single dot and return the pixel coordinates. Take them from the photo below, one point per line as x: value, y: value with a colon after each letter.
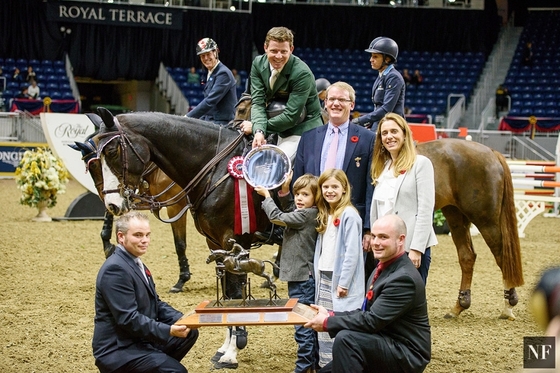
x: 275, y: 317
x: 243, y: 317
x: 305, y: 311
x: 210, y: 318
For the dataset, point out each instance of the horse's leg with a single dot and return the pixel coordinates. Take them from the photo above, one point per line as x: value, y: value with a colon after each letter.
x: 237, y: 334
x: 106, y: 231
x: 493, y: 237
x: 179, y: 229
x: 459, y: 226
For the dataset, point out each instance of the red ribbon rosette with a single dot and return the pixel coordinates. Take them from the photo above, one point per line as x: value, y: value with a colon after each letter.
x: 235, y: 167
x: 244, y: 214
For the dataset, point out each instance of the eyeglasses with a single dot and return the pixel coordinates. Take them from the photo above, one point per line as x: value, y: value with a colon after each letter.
x: 341, y: 100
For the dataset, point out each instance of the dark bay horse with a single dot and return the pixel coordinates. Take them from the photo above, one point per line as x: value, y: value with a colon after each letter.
x: 155, y: 183
x: 193, y: 153
x: 473, y: 185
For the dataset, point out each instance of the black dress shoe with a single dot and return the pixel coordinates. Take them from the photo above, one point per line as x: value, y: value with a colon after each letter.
x: 271, y: 237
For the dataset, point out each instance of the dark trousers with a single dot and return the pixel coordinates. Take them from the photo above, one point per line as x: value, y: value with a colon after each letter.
x: 356, y: 352
x: 163, y: 358
x: 306, y: 338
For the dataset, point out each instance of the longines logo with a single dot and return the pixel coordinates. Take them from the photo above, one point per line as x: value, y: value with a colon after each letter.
x: 70, y: 131
x: 12, y: 158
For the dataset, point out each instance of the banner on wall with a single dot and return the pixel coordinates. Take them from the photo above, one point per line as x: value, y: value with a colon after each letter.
x: 62, y: 130
x: 11, y: 154
x: 115, y: 15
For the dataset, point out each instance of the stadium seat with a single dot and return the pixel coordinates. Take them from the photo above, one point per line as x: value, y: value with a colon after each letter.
x: 56, y: 95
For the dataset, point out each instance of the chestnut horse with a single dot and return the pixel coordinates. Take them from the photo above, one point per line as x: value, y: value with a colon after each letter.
x: 473, y: 185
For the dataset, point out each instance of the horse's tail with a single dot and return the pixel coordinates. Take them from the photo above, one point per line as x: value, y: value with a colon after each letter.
x: 511, y: 248
x: 272, y: 263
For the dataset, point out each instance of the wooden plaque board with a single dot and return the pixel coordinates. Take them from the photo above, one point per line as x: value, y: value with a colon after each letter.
x: 254, y: 312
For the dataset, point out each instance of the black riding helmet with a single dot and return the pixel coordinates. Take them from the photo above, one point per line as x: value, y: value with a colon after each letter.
x: 386, y: 46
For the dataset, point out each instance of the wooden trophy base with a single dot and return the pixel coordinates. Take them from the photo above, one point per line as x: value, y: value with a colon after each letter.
x: 248, y: 312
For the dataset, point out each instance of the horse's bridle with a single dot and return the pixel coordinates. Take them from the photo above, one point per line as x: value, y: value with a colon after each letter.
x: 124, y: 142
x: 154, y: 206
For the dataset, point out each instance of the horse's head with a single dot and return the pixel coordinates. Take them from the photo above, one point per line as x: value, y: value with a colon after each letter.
x: 212, y: 257
x: 243, y: 108
x: 89, y: 155
x: 123, y: 156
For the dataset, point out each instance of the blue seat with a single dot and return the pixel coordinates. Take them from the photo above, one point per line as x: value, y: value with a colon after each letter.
x: 52, y: 86
x: 67, y: 96
x: 8, y: 93
x: 56, y: 95
x: 59, y: 63
x: 47, y: 63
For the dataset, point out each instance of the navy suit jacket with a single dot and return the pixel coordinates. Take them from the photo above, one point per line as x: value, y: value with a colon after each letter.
x: 357, y: 163
x: 128, y: 313
x: 220, y: 97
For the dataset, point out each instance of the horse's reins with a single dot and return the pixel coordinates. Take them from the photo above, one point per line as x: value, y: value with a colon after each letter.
x: 155, y: 206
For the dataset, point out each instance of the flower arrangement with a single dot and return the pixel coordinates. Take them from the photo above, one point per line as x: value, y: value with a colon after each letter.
x: 40, y: 176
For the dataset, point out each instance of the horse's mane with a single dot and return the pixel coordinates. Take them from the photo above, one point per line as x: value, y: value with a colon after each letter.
x: 172, y: 122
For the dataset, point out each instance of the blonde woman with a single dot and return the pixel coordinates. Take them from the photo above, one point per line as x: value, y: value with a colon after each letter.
x: 404, y: 185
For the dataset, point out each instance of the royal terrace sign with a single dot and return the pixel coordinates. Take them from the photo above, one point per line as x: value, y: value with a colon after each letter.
x: 115, y: 15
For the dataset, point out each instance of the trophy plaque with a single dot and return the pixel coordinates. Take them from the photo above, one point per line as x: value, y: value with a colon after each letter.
x: 257, y: 312
x: 266, y: 166
x: 247, y: 310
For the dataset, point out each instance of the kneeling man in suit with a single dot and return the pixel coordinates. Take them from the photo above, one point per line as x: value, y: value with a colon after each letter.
x: 134, y: 330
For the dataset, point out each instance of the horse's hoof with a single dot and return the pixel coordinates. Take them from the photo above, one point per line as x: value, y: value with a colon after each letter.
x: 218, y: 365
x: 217, y: 356
x: 450, y: 316
x: 505, y: 316
x: 175, y: 289
x: 241, y: 334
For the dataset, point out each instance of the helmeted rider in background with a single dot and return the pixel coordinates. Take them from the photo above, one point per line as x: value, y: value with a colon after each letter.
x: 220, y: 95
x: 322, y: 84
x: 388, y: 90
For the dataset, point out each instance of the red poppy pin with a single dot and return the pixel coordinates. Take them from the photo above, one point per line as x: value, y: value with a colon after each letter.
x: 336, y: 222
x: 354, y: 138
x: 369, y: 294
x: 402, y: 172
x: 148, y: 272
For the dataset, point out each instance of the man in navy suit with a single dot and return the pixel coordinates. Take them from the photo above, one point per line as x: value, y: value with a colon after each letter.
x: 354, y: 152
x: 220, y: 95
x: 134, y: 330
x: 391, y: 333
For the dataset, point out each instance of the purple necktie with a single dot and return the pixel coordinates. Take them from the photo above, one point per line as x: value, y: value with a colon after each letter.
x: 333, y: 148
